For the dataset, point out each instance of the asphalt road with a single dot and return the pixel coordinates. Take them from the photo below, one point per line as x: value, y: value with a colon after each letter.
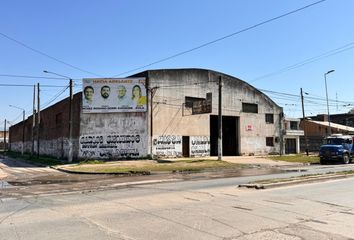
x: 198, y: 209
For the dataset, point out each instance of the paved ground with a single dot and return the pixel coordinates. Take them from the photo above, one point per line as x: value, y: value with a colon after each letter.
x: 16, y: 169
x: 206, y: 209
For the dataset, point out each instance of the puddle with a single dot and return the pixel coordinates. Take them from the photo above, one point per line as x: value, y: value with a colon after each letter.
x: 40, y: 182
x: 4, y: 185
x: 296, y: 170
x: 233, y: 173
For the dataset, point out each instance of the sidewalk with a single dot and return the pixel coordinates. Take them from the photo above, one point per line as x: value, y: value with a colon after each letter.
x: 144, y: 167
x: 252, y: 160
x: 2, y: 174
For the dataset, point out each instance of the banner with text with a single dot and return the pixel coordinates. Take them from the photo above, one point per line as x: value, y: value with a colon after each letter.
x: 102, y: 95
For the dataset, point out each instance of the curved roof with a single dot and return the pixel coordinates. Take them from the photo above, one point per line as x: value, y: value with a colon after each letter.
x: 148, y: 72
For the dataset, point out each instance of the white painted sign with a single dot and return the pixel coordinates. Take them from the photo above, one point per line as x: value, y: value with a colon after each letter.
x: 102, y: 95
x: 111, y: 146
x: 199, y: 146
x: 167, y: 145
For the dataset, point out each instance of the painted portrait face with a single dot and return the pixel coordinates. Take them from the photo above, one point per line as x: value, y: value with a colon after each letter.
x: 105, y: 91
x: 121, y: 91
x: 136, y: 91
x: 88, y: 92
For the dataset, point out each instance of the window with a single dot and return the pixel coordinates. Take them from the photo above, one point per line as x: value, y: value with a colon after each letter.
x: 269, y: 118
x: 294, y: 125
x: 199, y: 105
x: 270, y: 141
x: 190, y: 100
x: 249, y: 108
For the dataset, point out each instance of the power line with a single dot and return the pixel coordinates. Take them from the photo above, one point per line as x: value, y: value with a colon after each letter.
x: 27, y: 85
x: 44, y: 54
x: 40, y: 77
x: 308, y: 97
x: 332, y: 52
x: 55, y: 97
x: 223, y: 38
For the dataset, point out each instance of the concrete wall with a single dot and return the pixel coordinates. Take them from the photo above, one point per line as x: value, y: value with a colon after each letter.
x: 173, y: 120
x: 113, y: 135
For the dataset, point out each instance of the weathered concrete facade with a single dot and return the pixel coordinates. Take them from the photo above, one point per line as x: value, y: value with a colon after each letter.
x: 176, y: 132
x: 252, y: 122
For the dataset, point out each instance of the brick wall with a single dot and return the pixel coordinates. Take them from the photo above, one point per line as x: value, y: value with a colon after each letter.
x: 54, y: 129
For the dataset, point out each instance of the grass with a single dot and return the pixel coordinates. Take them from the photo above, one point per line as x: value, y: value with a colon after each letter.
x: 155, y: 166
x: 300, y: 158
x: 42, y: 160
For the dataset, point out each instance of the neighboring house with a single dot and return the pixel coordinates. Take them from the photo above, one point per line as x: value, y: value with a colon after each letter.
x: 316, y: 131
x: 177, y: 116
x: 292, y: 134
x: 2, y: 133
x: 343, y: 118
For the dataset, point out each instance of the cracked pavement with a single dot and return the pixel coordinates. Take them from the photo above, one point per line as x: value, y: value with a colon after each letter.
x: 205, y: 209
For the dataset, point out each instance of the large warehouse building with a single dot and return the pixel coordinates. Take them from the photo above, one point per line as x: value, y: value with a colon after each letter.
x: 171, y: 112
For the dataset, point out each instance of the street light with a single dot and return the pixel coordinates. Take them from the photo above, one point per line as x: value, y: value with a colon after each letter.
x: 329, y: 118
x: 23, y: 127
x: 70, y: 154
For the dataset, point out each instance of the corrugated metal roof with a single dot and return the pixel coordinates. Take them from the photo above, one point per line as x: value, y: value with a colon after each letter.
x: 334, y: 125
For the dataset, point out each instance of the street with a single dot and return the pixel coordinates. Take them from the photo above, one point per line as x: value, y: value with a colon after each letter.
x: 198, y: 209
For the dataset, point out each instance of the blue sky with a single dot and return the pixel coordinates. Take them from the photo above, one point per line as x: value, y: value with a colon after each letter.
x: 110, y: 37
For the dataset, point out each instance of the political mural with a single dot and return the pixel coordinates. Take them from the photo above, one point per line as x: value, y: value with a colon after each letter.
x: 102, y: 95
x: 199, y: 146
x: 108, y: 146
x: 167, y: 145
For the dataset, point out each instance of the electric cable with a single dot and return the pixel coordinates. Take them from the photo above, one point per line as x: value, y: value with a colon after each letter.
x: 222, y: 38
x: 45, y: 55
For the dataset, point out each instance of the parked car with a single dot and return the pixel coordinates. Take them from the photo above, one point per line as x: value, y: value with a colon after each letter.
x: 337, y: 147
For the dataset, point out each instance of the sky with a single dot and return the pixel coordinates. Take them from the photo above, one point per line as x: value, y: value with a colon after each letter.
x: 83, y: 39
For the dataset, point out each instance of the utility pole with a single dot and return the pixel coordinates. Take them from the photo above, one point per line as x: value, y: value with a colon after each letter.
x: 23, y: 131
x: 329, y: 116
x: 70, y: 154
x: 38, y: 118
x: 220, y: 120
x: 33, y: 118
x: 5, y: 136
x: 304, y: 121
x: 152, y: 94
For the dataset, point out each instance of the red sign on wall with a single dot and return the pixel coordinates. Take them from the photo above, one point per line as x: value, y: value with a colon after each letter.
x: 249, y: 127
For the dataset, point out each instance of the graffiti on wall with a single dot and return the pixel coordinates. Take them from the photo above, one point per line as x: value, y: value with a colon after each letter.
x: 167, y: 145
x: 199, y: 146
x: 111, y: 146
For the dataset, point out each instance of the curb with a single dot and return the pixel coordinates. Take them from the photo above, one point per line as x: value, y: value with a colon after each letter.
x: 130, y: 173
x: 295, y: 182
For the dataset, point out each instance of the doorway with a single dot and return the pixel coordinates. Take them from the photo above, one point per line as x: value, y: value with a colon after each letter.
x: 230, y: 135
x: 290, y: 146
x: 185, y: 146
